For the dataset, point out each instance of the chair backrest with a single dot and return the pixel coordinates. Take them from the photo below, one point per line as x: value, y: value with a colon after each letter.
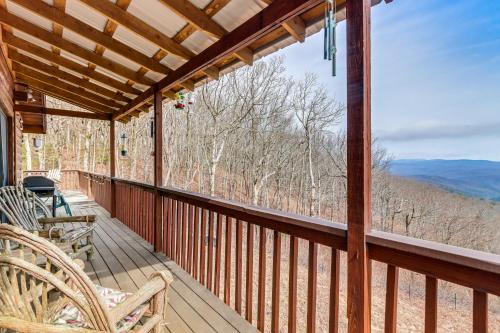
x: 22, y: 207
x: 54, y: 174
x: 38, y: 280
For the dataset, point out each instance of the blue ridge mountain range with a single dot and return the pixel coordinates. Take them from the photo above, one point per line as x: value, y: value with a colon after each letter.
x: 473, y: 178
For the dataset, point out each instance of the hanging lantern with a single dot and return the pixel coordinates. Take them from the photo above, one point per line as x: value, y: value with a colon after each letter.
x: 37, y: 143
x: 31, y: 99
x: 123, y: 145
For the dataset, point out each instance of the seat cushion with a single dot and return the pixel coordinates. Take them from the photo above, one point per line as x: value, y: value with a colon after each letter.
x: 76, y: 233
x: 71, y: 316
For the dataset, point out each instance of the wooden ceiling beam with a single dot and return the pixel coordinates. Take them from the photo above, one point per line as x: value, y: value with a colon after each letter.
x: 134, y: 24
x: 54, y: 71
x: 195, y: 16
x: 52, y: 39
x: 212, y: 72
x: 188, y: 85
x: 56, y: 28
x: 60, y: 17
x: 201, y: 21
x: 60, y: 112
x: 296, y: 27
x: 56, y: 82
x: 257, y: 26
x: 245, y: 55
x: 65, y: 62
x: 62, y: 94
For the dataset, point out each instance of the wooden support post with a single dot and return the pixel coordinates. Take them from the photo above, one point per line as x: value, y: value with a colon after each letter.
x: 358, y: 164
x: 158, y: 168
x: 112, y: 165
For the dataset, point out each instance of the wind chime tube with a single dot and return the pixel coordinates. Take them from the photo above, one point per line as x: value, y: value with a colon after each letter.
x: 334, y: 45
x: 325, y: 34
x: 329, y: 41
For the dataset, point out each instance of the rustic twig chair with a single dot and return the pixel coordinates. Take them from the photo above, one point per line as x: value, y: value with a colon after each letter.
x: 43, y: 290
x: 26, y: 210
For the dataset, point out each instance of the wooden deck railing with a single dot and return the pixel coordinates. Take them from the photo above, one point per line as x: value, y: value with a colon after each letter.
x: 199, y: 233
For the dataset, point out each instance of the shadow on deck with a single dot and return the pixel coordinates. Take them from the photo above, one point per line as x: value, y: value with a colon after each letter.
x: 123, y: 260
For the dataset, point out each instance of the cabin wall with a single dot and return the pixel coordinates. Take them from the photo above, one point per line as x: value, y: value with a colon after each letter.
x: 8, y: 131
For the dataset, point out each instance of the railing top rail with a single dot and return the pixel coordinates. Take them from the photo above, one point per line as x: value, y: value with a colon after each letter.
x: 453, y: 254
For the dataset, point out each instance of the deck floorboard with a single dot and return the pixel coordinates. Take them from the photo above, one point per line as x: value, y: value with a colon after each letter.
x: 123, y: 260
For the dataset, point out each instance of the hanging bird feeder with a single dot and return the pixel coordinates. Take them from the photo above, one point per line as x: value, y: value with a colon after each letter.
x: 180, y: 104
x: 123, y: 145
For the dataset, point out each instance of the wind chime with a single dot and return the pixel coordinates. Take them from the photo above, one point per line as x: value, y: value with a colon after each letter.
x: 330, y: 38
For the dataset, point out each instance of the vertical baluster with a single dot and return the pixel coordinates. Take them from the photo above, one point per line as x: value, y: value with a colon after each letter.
x: 189, y: 259
x: 227, y: 260
x: 174, y: 230
x: 311, y: 287
x: 391, y: 299
x: 203, y: 237
x: 334, y: 291
x: 275, y: 318
x: 249, y: 280
x: 166, y: 225
x: 178, y: 241
x: 196, y: 241
x: 261, y: 292
x: 430, y: 304
x: 184, y: 235
x: 171, y: 230
x: 292, y: 285
x: 239, y: 264
x: 480, y: 312
x: 218, y: 254
x: 210, y: 250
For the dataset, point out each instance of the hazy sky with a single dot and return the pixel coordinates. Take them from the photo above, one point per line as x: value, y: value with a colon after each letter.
x: 435, y: 79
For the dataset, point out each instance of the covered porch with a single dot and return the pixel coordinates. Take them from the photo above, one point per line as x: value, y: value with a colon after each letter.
x: 238, y: 268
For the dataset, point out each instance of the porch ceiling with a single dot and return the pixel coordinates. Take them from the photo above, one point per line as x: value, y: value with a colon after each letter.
x: 108, y: 56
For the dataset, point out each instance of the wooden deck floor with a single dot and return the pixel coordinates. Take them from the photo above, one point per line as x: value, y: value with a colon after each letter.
x: 123, y: 260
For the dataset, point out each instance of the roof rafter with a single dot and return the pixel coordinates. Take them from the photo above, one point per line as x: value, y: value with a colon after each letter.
x: 65, y: 62
x: 62, y: 94
x: 296, y: 28
x: 52, y: 39
x: 71, y: 23
x: 203, y: 22
x: 60, y: 112
x: 195, y: 16
x: 56, y: 82
x: 52, y: 70
x: 134, y: 24
x: 257, y: 26
x: 56, y: 28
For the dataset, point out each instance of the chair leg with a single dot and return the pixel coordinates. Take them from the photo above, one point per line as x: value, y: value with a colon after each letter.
x: 159, y: 308
x: 90, y: 252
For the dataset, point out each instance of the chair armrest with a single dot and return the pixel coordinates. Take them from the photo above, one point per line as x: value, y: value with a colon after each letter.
x: 67, y: 219
x: 159, y: 281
